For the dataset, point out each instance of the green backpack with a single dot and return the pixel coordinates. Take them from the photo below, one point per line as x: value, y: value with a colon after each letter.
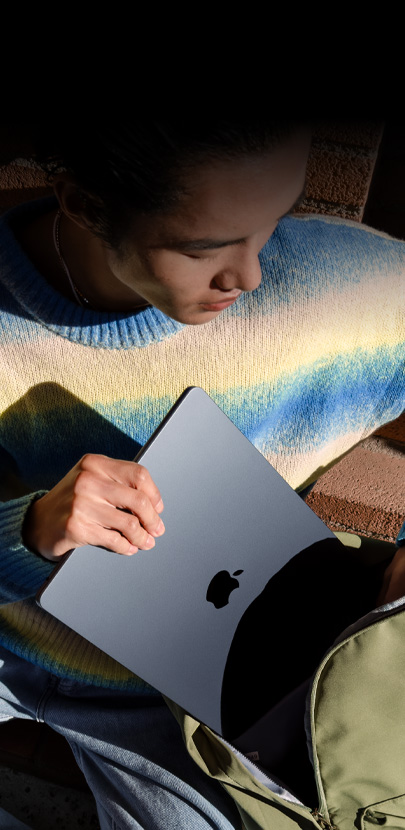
x: 356, y: 721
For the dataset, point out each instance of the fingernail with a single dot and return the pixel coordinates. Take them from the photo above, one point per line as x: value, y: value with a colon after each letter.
x: 159, y: 506
x: 133, y: 549
x: 150, y: 542
x: 159, y: 530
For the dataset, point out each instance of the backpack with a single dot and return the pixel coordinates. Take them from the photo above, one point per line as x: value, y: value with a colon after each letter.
x: 355, y: 728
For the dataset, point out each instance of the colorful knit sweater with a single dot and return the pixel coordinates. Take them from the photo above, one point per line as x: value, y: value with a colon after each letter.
x: 306, y: 366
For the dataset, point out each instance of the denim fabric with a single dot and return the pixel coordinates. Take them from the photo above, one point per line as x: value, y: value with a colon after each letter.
x: 129, y: 748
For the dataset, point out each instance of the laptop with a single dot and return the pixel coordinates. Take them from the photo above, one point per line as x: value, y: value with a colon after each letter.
x: 216, y: 616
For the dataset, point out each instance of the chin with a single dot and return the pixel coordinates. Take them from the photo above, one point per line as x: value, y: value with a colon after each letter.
x: 192, y: 316
x: 196, y: 319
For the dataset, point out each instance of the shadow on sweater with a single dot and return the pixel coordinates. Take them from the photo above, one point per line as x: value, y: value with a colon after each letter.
x: 45, y: 432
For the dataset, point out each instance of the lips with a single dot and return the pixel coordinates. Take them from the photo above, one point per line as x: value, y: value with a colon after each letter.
x: 220, y: 304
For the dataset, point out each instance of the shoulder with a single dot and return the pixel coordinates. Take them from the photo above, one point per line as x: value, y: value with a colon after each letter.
x: 318, y: 252
x: 324, y: 236
x: 317, y: 226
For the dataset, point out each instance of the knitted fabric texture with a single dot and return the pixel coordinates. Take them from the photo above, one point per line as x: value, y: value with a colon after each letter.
x: 306, y: 366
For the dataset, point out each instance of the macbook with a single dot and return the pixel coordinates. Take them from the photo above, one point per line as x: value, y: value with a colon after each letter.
x: 230, y: 613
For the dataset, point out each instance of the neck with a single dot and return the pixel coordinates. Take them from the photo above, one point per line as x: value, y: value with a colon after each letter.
x: 84, y: 256
x: 78, y: 295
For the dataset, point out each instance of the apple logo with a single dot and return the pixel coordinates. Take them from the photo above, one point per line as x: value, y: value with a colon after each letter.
x: 220, y: 588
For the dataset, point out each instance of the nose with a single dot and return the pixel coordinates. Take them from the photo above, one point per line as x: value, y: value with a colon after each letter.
x: 243, y: 272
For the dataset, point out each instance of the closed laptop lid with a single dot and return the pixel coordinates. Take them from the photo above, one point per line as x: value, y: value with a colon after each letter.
x: 232, y: 523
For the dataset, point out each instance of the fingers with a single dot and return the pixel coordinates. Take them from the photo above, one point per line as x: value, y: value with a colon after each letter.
x: 145, y: 484
x: 120, y: 496
x: 127, y: 473
x: 121, y: 532
x: 127, y: 488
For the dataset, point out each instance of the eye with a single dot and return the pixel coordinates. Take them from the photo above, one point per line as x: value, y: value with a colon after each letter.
x: 203, y: 255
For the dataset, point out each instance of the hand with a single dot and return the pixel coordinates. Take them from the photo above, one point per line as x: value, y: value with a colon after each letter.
x: 101, y: 501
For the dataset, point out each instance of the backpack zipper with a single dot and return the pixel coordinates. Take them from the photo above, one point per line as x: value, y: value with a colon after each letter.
x: 323, y: 823
x: 263, y: 776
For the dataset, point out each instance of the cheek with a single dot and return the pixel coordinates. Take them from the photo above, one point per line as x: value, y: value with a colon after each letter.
x: 173, y: 273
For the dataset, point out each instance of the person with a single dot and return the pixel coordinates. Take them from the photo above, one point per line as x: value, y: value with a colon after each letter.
x: 168, y: 257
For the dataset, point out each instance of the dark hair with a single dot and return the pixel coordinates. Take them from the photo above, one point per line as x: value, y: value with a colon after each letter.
x: 141, y: 168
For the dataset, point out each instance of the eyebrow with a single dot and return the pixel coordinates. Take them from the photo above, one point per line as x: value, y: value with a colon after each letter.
x: 205, y: 244
x: 209, y: 244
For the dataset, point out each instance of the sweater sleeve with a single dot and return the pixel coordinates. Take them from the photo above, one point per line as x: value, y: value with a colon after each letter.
x: 22, y: 571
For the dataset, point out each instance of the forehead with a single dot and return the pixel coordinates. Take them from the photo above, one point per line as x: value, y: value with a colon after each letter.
x: 233, y: 196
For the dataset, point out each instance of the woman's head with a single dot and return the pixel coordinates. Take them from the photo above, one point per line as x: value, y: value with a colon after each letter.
x: 181, y: 213
x: 131, y: 169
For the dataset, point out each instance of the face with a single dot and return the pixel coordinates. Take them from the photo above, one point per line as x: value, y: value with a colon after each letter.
x: 196, y: 261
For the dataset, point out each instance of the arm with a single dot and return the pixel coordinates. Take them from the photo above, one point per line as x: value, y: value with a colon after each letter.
x: 21, y: 571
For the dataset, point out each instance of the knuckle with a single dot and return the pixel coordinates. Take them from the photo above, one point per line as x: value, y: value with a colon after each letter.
x: 123, y: 545
x: 90, y: 461
x: 142, y: 502
x: 142, y: 474
x: 83, y: 481
x: 86, y: 462
x: 133, y: 525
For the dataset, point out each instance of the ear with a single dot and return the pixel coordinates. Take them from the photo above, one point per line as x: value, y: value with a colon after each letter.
x: 72, y: 201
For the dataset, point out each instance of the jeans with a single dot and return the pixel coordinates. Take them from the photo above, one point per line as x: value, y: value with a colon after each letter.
x: 129, y: 748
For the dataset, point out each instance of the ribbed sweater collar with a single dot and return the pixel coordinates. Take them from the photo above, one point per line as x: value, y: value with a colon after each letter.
x: 99, y: 329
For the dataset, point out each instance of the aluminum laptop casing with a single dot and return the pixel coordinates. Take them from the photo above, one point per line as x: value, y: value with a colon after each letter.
x: 226, y: 510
